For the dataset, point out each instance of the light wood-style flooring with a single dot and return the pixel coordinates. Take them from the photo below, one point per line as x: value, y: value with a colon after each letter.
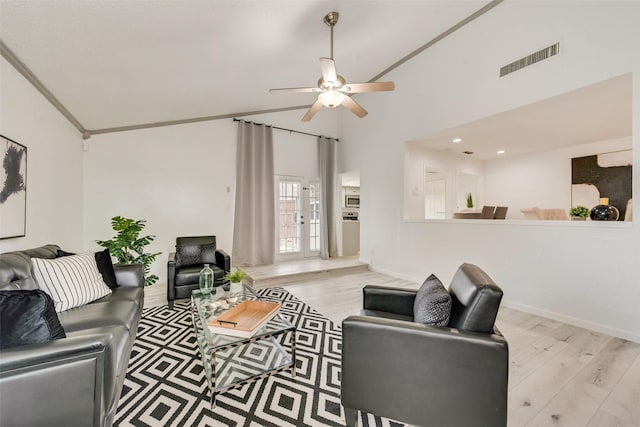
x: 560, y: 375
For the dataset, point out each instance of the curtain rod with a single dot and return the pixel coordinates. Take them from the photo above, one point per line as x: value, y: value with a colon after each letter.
x: 288, y: 130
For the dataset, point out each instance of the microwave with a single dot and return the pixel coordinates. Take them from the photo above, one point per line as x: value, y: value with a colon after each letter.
x: 352, y: 201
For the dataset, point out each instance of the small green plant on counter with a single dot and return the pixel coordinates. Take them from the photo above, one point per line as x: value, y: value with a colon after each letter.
x: 579, y: 211
x: 236, y: 276
x: 469, y: 200
x: 128, y: 247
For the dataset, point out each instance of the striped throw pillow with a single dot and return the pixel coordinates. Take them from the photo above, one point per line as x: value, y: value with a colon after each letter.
x: 70, y: 281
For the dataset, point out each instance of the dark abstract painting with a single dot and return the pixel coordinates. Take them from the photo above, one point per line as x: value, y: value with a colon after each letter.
x: 606, y: 175
x: 13, y: 189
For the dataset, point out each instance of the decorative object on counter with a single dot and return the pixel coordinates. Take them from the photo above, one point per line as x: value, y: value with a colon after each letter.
x: 128, y: 247
x: 579, y: 213
x: 469, y: 200
x: 206, y: 280
x: 604, y: 211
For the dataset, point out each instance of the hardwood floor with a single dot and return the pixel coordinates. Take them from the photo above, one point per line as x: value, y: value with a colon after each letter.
x: 560, y: 375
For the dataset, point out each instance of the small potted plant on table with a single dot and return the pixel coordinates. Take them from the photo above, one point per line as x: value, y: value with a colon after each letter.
x: 236, y: 278
x: 579, y: 213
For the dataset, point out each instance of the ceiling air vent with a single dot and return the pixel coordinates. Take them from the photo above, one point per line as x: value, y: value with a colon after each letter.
x: 538, y: 56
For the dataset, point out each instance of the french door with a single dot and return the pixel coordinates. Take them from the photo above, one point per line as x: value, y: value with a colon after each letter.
x: 297, y: 218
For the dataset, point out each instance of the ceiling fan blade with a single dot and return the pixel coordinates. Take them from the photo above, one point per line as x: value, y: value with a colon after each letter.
x: 313, y: 110
x: 368, y: 87
x: 329, y: 74
x: 354, y: 107
x: 295, y: 89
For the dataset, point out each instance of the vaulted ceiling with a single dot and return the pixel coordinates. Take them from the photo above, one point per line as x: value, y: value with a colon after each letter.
x: 123, y: 63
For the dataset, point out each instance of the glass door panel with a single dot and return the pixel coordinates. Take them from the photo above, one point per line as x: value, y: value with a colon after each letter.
x: 312, y: 229
x: 298, y: 217
x: 289, y: 216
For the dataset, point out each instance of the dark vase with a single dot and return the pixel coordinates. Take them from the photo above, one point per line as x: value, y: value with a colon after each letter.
x: 604, y: 211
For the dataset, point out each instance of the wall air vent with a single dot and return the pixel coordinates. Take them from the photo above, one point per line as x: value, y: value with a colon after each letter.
x: 538, y: 56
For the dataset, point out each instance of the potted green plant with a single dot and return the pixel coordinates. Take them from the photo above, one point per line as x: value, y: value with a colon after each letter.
x: 236, y: 276
x: 579, y: 213
x: 469, y: 200
x: 128, y: 247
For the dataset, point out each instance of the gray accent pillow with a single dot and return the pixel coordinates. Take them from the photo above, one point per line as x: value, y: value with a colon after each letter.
x: 433, y: 303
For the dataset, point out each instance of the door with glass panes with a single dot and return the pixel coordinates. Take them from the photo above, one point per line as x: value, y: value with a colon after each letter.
x: 297, y: 218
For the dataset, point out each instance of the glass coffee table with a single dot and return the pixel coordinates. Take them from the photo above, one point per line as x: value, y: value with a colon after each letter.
x: 231, y: 362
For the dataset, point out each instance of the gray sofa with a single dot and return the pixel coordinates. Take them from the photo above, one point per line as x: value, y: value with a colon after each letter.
x: 77, y: 380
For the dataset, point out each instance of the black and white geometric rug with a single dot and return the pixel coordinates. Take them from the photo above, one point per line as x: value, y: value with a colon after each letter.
x: 166, y: 384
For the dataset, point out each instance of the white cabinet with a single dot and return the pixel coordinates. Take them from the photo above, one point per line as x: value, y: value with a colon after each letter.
x: 350, y: 238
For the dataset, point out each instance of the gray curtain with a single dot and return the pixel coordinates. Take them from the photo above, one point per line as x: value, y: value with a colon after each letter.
x: 254, y: 220
x: 328, y: 165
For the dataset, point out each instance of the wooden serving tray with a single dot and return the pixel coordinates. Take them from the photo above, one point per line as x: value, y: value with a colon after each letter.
x: 245, y: 319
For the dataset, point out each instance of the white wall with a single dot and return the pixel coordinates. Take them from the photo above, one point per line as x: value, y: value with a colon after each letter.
x: 295, y: 155
x: 583, y: 275
x: 181, y: 179
x: 539, y: 179
x: 54, y: 164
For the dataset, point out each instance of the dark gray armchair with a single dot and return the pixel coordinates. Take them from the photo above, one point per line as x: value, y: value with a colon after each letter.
x: 184, y: 265
x: 453, y: 376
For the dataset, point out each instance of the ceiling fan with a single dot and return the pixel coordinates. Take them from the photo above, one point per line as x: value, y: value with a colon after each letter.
x: 332, y: 89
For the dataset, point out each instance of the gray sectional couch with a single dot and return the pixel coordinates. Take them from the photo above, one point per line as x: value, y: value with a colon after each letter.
x: 77, y: 380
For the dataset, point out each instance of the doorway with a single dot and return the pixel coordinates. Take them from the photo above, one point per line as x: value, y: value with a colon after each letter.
x: 435, y: 194
x: 297, y: 218
x: 349, y: 227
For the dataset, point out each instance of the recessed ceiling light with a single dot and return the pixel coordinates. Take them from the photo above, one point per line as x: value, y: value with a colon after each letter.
x: 456, y: 140
x: 500, y: 151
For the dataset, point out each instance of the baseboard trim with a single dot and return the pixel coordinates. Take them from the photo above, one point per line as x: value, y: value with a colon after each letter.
x: 575, y: 321
x: 395, y: 274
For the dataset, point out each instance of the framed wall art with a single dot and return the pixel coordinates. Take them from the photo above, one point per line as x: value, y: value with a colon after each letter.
x: 13, y: 189
x: 606, y: 175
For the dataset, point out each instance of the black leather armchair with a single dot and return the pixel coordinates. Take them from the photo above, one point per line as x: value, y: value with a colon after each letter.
x: 184, y: 265
x: 453, y: 376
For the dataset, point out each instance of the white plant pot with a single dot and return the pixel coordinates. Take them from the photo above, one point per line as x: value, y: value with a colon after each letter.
x: 235, y: 287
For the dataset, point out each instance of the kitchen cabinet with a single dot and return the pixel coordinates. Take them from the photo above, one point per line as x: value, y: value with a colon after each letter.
x: 350, y: 238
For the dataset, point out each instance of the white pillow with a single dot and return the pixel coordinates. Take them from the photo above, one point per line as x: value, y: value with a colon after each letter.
x: 71, y: 281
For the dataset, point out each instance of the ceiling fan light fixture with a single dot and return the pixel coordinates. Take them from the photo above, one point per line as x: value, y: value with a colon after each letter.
x: 331, y: 98
x: 332, y: 88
